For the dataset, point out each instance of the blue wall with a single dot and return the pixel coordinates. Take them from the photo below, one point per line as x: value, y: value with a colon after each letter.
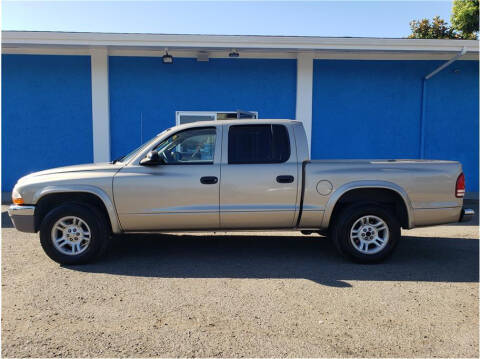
x: 361, y: 109
x: 451, y: 127
x: 46, y: 114
x: 371, y: 109
x: 144, y: 87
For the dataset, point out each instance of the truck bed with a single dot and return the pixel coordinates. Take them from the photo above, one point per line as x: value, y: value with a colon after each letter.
x: 426, y: 186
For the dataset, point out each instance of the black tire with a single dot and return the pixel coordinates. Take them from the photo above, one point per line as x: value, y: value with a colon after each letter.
x: 346, y: 219
x: 92, y: 217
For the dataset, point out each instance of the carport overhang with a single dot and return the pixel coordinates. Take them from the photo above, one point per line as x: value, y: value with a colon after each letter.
x: 248, y: 46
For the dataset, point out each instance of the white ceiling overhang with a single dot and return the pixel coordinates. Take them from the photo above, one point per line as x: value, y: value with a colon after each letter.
x: 249, y: 46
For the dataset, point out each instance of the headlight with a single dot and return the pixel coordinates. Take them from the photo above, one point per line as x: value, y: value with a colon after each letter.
x: 16, y: 197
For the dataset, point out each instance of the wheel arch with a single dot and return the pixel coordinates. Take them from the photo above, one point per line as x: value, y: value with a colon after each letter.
x: 47, y: 197
x: 386, y: 192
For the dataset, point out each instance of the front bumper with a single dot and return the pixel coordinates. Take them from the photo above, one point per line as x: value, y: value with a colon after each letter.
x: 23, y: 217
x: 466, y: 215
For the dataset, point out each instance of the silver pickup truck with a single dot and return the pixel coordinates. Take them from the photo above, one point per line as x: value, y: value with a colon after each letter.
x: 236, y: 175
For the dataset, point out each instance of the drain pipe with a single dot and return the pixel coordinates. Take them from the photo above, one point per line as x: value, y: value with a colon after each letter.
x: 423, y: 97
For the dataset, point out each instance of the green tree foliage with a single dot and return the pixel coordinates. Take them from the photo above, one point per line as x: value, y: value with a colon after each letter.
x: 465, y: 18
x: 464, y: 23
x: 437, y: 29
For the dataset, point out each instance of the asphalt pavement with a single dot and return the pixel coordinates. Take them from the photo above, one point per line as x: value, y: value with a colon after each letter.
x: 273, y: 294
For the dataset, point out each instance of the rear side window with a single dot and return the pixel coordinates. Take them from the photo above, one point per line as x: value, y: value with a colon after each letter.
x: 258, y: 144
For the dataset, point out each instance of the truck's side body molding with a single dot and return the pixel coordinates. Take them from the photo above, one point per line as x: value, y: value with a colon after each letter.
x: 347, y: 187
x: 112, y: 214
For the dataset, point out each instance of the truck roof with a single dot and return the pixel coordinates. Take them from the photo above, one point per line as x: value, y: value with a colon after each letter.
x: 236, y: 122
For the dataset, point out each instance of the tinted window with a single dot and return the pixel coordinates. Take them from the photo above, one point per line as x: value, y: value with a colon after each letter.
x: 258, y: 144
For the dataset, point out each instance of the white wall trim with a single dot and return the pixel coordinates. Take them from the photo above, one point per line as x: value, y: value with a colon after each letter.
x: 100, y: 105
x: 217, y: 54
x: 376, y: 55
x: 139, y: 52
x: 31, y: 50
x: 172, y: 41
x: 185, y: 53
x: 305, y: 93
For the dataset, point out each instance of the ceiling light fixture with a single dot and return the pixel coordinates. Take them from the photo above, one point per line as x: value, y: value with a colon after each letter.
x: 234, y: 53
x: 167, y: 59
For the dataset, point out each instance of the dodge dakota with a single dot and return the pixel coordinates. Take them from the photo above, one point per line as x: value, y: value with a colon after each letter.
x: 236, y: 175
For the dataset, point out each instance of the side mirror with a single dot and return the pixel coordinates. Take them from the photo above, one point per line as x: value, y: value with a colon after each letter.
x: 151, y: 159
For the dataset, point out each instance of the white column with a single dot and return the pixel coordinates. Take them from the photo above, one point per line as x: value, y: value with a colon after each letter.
x: 100, y: 104
x: 305, y: 93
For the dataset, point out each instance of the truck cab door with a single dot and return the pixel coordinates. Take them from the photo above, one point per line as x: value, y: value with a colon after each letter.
x: 182, y: 192
x: 259, y: 184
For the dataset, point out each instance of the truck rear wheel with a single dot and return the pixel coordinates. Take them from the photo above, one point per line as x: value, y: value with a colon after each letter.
x: 74, y: 234
x: 366, y: 233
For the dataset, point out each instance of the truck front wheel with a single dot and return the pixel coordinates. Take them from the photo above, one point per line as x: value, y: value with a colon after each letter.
x: 366, y: 233
x: 74, y: 234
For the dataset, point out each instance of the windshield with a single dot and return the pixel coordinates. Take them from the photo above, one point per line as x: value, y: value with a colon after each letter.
x: 139, y: 149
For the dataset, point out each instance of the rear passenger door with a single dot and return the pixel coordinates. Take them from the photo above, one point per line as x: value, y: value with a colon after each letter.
x: 259, y: 178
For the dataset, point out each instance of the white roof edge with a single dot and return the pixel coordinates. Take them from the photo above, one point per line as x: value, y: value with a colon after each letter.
x: 296, y: 43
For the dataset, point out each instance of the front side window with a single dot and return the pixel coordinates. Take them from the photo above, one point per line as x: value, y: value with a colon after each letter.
x: 193, y: 146
x: 258, y: 144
